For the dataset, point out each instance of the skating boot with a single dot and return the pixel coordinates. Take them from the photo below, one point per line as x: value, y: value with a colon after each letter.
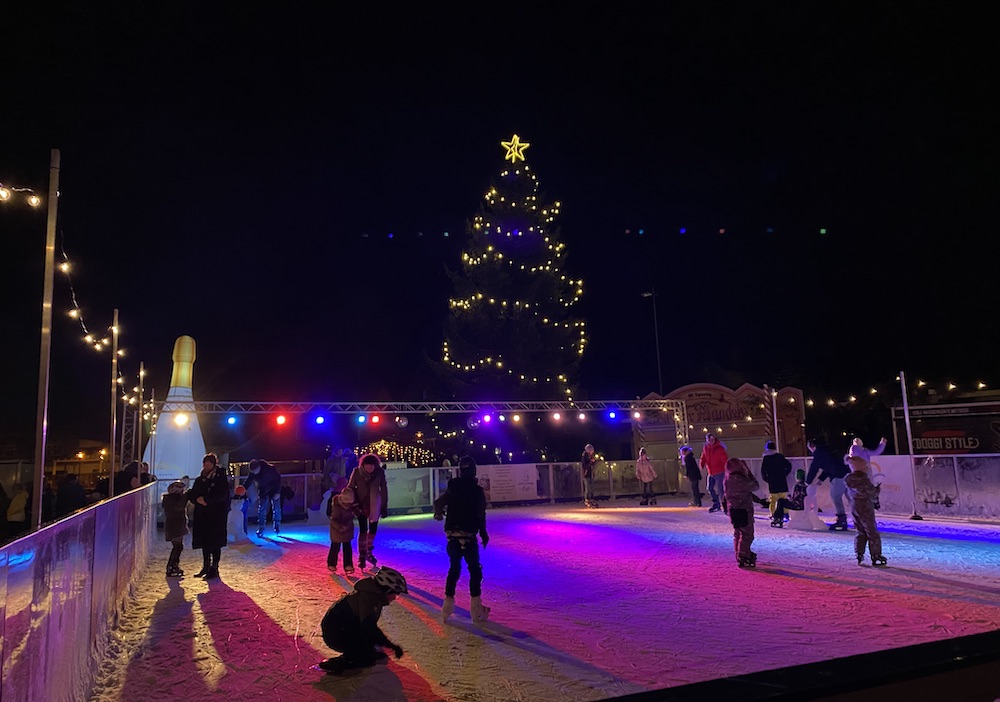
x: 643, y: 502
x: 861, y: 557
x: 777, y: 523
x: 480, y: 613
x: 840, y: 524
x: 260, y: 531
x: 652, y: 500
x: 447, y: 608
x: 879, y: 561
x: 277, y: 528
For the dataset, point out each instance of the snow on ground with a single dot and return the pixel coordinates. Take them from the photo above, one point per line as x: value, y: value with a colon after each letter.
x: 587, y: 605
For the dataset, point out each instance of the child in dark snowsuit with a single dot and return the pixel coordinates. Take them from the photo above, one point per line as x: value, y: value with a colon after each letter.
x: 864, y: 496
x: 175, y: 525
x: 341, y: 511
x: 693, y: 474
x: 739, y: 485
x: 351, y: 624
x: 464, y: 503
x: 797, y: 501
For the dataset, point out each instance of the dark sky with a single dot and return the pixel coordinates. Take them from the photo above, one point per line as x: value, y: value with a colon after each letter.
x: 234, y: 175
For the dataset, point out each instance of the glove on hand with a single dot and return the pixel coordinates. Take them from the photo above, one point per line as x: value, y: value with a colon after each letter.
x: 485, y: 537
x: 397, y: 650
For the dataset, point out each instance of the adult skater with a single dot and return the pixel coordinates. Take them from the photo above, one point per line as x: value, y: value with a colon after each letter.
x: 587, y: 461
x: 351, y: 624
x: 210, y: 495
x: 693, y: 474
x: 371, y: 496
x: 267, y: 480
x: 775, y: 469
x: 858, y: 449
x: 713, y: 460
x: 830, y: 468
x: 464, y: 503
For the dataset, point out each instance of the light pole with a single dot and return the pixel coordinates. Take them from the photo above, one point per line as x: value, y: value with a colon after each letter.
x: 656, y: 334
x: 41, y: 423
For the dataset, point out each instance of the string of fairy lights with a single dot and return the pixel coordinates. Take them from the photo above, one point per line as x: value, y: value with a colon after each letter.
x: 98, y: 342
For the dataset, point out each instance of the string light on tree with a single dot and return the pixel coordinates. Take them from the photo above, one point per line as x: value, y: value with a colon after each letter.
x: 497, y: 337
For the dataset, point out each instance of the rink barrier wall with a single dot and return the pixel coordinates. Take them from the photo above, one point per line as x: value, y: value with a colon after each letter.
x: 62, y: 591
x: 963, y: 668
x: 963, y: 487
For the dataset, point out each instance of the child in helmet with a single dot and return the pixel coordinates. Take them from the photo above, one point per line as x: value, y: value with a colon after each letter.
x: 797, y: 502
x: 341, y: 511
x: 464, y: 503
x: 175, y: 526
x: 351, y: 624
x: 738, y: 487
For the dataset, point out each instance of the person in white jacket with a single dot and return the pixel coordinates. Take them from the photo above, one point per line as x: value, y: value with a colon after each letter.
x: 858, y: 449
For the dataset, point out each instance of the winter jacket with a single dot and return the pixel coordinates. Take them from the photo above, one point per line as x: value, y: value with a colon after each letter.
x: 362, y: 608
x: 867, y: 453
x: 775, y: 469
x: 738, y: 488
x: 464, y: 503
x: 268, y: 481
x: 714, y: 457
x: 371, y: 493
x: 587, y: 462
x: 826, y: 465
x: 691, y: 467
x: 862, y: 491
x: 70, y: 497
x: 208, y: 523
x: 644, y: 470
x: 341, y: 521
x: 798, y: 498
x: 174, y: 515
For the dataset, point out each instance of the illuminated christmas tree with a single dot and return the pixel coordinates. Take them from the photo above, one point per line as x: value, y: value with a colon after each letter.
x: 510, y: 332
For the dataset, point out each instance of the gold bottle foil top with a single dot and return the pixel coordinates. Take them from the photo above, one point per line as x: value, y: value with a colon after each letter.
x: 183, y: 357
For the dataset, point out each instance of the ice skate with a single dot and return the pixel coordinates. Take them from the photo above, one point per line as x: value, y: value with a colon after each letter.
x: 480, y: 613
x: 714, y: 508
x: 879, y: 561
x: 840, y: 524
x: 447, y: 608
x: 777, y: 522
x: 372, y: 559
x: 652, y: 500
x: 643, y: 502
x: 260, y: 532
x: 861, y: 558
x: 277, y: 528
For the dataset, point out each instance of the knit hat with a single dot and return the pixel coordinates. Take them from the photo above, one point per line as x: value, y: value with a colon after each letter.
x: 346, y: 496
x: 176, y: 488
x: 240, y: 491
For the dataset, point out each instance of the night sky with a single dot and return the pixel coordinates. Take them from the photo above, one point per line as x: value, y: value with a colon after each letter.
x: 235, y: 176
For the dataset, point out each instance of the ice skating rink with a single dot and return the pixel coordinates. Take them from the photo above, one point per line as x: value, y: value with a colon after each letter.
x: 587, y: 605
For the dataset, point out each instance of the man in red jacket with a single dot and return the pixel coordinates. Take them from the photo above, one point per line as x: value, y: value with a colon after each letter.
x: 713, y: 462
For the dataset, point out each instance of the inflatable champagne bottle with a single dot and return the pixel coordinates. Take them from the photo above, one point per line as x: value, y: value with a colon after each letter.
x: 177, y: 447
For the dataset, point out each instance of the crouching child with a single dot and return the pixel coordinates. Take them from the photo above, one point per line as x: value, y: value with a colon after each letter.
x: 351, y: 624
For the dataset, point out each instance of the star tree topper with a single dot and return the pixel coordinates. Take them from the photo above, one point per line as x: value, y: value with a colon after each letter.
x: 515, y: 148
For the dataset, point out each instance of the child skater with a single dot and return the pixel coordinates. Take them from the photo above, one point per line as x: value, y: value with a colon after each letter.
x: 464, y: 503
x: 646, y: 474
x: 175, y: 525
x: 864, y: 498
x: 796, y: 502
x: 341, y: 511
x: 738, y: 486
x: 693, y: 474
x: 351, y: 624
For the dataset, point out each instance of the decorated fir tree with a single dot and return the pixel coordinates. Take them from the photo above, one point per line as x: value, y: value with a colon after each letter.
x: 511, y: 332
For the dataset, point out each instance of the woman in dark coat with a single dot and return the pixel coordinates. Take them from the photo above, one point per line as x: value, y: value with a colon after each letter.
x: 210, y: 495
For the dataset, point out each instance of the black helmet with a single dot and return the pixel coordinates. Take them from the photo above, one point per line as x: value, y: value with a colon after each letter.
x: 392, y: 580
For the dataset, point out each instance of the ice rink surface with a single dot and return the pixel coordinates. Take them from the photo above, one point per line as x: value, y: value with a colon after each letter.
x: 586, y: 605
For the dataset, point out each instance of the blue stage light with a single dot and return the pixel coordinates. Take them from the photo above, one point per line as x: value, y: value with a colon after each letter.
x: 231, y: 421
x: 612, y: 414
x: 362, y: 419
x: 320, y: 419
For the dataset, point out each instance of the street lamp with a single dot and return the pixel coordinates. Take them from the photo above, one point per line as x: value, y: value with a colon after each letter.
x: 41, y: 424
x: 656, y: 333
